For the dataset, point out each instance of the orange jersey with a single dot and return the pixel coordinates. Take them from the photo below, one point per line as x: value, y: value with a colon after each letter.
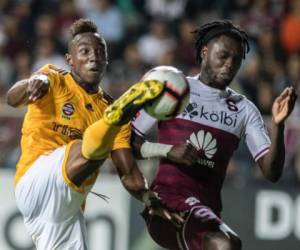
x: 61, y: 116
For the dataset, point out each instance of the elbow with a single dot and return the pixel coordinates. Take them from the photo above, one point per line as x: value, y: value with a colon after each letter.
x: 10, y: 100
x: 273, y: 177
x: 272, y: 171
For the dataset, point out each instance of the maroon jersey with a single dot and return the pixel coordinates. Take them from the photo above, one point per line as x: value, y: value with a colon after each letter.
x: 214, y: 122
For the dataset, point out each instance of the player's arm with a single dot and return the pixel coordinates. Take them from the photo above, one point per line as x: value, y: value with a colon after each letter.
x: 181, y: 154
x: 131, y: 177
x: 135, y: 183
x: 272, y: 162
x: 28, y: 90
x: 79, y: 168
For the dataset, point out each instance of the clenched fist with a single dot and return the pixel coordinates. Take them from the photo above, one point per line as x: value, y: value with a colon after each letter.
x: 38, y: 86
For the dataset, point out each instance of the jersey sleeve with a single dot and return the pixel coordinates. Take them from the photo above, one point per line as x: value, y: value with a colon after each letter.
x: 51, y: 72
x: 45, y: 103
x: 57, y: 82
x: 143, y: 123
x: 122, y: 140
x: 256, y: 135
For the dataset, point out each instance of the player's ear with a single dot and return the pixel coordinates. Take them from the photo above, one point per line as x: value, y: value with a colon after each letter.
x: 203, y: 52
x: 68, y: 59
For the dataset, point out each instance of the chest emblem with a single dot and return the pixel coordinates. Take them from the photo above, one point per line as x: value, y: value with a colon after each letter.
x: 68, y: 110
x: 206, y: 145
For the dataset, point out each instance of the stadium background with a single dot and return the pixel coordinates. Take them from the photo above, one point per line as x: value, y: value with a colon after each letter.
x: 140, y: 35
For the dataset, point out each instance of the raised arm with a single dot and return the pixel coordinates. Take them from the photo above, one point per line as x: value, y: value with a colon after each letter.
x: 272, y: 163
x: 28, y: 90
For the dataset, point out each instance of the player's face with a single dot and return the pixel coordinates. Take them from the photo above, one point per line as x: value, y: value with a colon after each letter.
x: 88, y: 58
x: 221, y: 59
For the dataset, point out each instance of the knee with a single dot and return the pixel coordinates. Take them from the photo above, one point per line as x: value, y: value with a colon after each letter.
x: 219, y: 241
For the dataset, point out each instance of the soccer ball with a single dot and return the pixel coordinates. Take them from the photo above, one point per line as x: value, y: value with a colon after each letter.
x: 175, y: 96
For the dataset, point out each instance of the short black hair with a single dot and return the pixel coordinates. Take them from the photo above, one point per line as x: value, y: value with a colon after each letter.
x: 82, y: 26
x: 211, y: 30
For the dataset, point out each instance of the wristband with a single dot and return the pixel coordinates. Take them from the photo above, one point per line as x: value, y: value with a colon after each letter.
x: 41, y: 77
x: 149, y: 149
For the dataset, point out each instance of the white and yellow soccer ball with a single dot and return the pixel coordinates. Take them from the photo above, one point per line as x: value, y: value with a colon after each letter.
x: 175, y: 96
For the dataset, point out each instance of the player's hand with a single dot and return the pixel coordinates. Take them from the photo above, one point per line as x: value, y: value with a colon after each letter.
x: 173, y: 217
x: 284, y: 105
x: 156, y: 207
x: 185, y: 154
x: 37, y: 87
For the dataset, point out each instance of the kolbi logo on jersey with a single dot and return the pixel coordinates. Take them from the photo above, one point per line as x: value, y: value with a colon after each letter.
x: 222, y: 117
x: 68, y: 110
x: 207, y: 147
x: 190, y: 110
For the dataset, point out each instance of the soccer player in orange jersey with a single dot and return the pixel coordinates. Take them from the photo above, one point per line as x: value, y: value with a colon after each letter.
x: 68, y: 132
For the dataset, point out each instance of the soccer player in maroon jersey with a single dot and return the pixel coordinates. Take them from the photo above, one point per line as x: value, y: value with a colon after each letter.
x: 196, y: 146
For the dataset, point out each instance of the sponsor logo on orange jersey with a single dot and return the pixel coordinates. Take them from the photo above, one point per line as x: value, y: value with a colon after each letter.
x: 72, y: 133
x: 68, y: 110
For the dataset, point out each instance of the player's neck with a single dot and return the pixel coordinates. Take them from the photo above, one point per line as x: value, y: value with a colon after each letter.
x: 89, y: 88
x: 207, y: 81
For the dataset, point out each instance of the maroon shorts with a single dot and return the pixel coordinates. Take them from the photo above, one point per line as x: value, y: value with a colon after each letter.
x: 198, y: 220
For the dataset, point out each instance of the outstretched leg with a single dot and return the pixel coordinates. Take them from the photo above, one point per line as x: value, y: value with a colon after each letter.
x: 134, y: 99
x: 98, y: 139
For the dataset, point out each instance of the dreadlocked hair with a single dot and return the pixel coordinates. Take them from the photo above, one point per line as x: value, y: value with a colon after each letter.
x: 82, y: 26
x: 208, y: 31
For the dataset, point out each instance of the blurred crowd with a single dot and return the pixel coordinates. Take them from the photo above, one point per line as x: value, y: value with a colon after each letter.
x: 143, y: 33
